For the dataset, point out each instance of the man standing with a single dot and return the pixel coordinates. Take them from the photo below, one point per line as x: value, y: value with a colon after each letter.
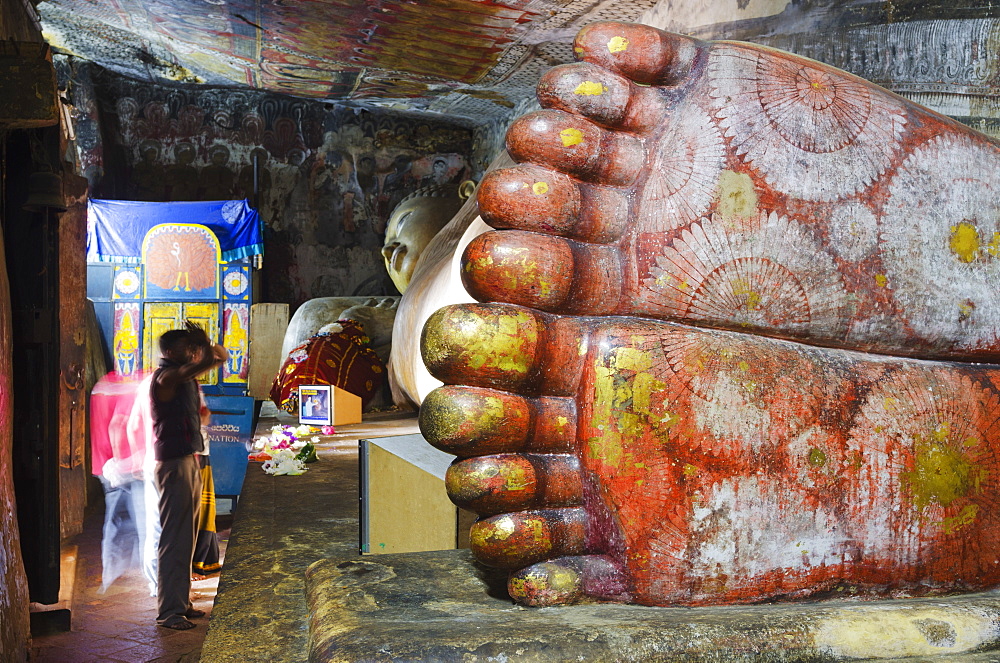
x: 177, y: 412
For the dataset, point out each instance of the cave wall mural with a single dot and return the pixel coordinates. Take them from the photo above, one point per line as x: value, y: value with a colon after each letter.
x: 940, y: 54
x: 327, y: 176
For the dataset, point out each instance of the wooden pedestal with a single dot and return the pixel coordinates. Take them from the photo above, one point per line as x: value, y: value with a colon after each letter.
x: 346, y: 407
x: 404, y: 506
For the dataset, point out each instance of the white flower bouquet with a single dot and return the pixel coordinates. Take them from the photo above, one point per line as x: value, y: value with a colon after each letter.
x: 285, y: 451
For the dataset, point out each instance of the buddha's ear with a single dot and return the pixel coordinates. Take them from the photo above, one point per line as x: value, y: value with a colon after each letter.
x: 466, y: 189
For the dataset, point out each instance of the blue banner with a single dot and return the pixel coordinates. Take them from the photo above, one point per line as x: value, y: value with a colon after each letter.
x: 116, y: 228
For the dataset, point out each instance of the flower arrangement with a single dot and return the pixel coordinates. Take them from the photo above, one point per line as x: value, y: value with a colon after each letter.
x: 285, y: 451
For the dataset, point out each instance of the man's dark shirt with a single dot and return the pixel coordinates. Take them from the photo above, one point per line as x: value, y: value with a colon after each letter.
x: 176, y: 423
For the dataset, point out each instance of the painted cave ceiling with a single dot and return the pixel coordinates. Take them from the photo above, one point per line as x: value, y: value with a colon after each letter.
x: 477, y: 59
x: 471, y: 58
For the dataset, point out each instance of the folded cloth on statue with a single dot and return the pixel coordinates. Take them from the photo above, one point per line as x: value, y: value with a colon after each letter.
x: 341, y: 357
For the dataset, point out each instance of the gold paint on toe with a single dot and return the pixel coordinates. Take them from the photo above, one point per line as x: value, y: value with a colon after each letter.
x: 571, y: 137
x: 617, y: 45
x: 590, y: 88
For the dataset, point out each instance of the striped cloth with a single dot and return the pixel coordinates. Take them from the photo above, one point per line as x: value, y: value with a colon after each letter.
x: 206, y: 548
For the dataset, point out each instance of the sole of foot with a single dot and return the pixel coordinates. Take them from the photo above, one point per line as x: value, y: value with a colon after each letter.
x: 800, y: 418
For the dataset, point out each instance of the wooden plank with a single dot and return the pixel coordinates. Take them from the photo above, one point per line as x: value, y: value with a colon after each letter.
x: 346, y: 407
x: 267, y: 330
x: 72, y: 417
x: 409, y: 510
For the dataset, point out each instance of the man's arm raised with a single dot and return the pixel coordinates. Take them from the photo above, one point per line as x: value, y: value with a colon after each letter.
x: 204, y: 357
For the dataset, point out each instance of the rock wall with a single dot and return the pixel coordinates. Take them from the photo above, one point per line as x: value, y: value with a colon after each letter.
x: 14, y: 626
x: 15, y: 629
x: 327, y: 176
x: 941, y: 54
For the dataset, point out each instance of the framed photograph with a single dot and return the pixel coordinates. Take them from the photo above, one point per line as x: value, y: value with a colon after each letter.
x: 316, y: 404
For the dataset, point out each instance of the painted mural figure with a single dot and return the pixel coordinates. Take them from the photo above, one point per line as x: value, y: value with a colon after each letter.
x: 393, y: 185
x: 148, y: 174
x: 366, y: 199
x: 127, y: 342
x: 438, y: 174
x: 327, y: 177
x: 235, y: 341
x: 182, y: 177
x: 245, y: 179
x: 737, y: 338
x: 217, y: 179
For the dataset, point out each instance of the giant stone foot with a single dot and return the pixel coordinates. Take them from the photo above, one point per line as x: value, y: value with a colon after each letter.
x: 737, y: 297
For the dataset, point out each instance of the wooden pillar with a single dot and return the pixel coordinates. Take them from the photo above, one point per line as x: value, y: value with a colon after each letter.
x: 72, y: 406
x: 14, y: 624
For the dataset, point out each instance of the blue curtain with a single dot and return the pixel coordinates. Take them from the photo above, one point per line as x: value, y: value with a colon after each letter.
x: 116, y: 228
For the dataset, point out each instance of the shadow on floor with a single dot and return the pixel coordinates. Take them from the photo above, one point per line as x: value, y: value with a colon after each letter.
x: 119, y: 625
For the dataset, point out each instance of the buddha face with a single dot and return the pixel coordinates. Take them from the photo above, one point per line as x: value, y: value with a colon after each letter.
x: 411, y: 227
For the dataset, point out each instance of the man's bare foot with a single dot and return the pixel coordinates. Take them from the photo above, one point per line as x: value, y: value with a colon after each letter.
x: 752, y: 196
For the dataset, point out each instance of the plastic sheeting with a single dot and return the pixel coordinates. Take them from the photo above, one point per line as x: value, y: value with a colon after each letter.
x: 116, y: 228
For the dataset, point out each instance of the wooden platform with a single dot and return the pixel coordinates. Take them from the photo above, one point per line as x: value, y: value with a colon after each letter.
x: 404, y: 504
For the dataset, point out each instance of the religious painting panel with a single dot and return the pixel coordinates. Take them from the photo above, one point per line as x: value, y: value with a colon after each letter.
x: 181, y: 262
x: 126, y: 345
x: 161, y: 317
x: 235, y: 324
x: 127, y: 282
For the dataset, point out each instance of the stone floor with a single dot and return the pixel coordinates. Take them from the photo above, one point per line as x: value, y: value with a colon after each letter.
x: 294, y: 589
x: 283, y: 525
x: 119, y: 624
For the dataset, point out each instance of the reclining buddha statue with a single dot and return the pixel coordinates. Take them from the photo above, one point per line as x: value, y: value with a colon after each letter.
x: 734, y: 337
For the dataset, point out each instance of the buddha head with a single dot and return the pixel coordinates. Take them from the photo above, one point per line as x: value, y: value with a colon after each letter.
x: 412, y: 225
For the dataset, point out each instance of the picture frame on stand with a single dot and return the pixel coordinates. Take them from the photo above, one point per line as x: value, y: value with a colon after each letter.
x: 316, y: 404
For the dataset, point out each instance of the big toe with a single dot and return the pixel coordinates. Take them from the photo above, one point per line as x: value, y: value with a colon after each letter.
x: 638, y: 52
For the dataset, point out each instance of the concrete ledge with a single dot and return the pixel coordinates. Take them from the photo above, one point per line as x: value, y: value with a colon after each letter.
x: 294, y: 588
x: 443, y: 606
